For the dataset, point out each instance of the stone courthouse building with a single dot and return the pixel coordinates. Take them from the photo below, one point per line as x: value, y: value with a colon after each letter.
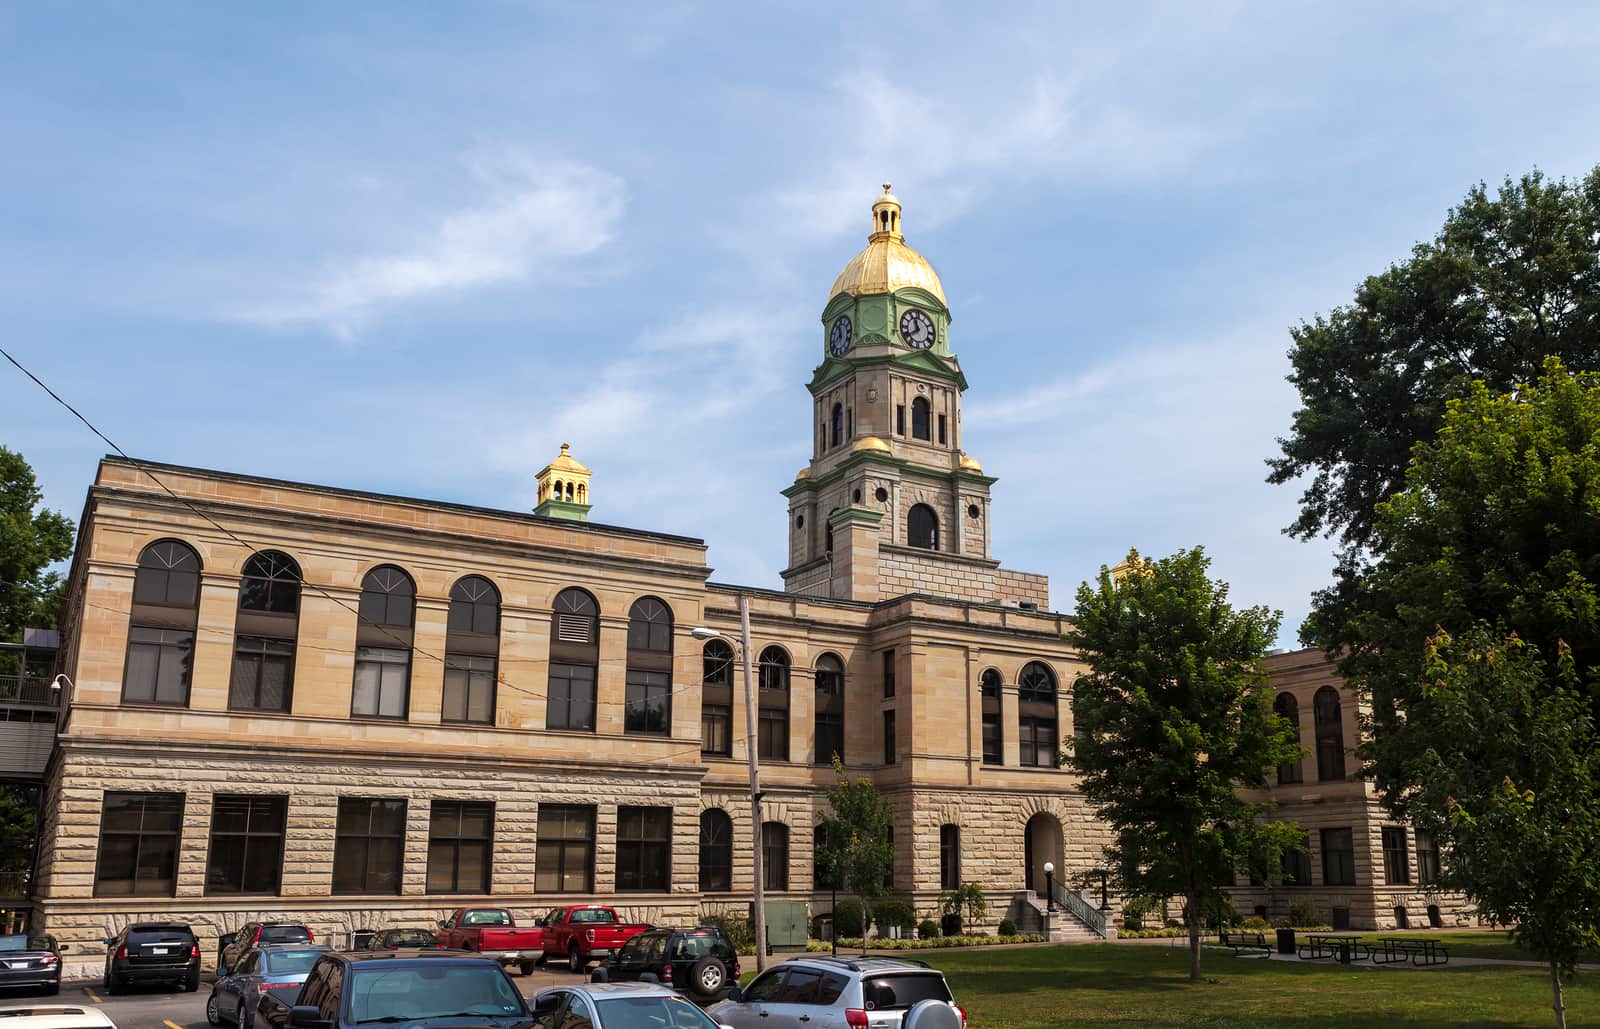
x: 302, y: 702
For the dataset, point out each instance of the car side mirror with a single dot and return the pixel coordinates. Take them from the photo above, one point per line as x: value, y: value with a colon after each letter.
x: 308, y: 1016
x: 228, y: 939
x: 110, y: 940
x: 443, y: 924
x: 541, y: 922
x: 546, y: 1004
x: 600, y: 975
x: 736, y: 993
x: 62, y: 948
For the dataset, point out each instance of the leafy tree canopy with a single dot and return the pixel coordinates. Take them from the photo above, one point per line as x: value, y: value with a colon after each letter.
x: 30, y: 541
x: 853, y: 850
x: 1509, y: 280
x: 1172, y: 719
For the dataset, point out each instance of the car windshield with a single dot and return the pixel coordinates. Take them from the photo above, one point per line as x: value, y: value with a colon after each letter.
x: 284, y: 934
x: 24, y: 943
x: 288, y: 962
x: 594, y: 915
x: 898, y: 992
x: 652, y: 1013
x: 431, y: 990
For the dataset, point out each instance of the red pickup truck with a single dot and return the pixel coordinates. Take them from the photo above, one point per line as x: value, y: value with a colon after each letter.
x: 493, y: 933
x: 585, y: 933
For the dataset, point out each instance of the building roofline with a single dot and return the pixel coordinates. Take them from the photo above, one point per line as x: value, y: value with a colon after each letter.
x: 873, y: 605
x: 493, y: 512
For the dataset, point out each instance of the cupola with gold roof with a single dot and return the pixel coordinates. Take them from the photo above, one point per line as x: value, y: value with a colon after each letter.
x: 564, y: 488
x: 887, y: 265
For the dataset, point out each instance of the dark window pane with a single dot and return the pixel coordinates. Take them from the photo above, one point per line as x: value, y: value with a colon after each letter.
x: 368, y: 845
x: 571, y: 700
x: 459, y: 837
x: 649, y: 696
x: 716, y: 850
x: 139, y: 834
x: 564, y: 857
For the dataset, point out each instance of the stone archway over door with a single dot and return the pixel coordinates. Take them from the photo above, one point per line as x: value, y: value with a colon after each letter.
x: 1042, y: 841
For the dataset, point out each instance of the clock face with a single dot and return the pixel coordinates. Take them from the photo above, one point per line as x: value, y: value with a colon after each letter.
x: 916, y: 329
x: 839, y: 335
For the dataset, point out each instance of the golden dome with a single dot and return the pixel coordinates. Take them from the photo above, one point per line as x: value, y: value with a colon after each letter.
x: 887, y: 264
x: 971, y: 464
x: 804, y: 473
x: 874, y: 443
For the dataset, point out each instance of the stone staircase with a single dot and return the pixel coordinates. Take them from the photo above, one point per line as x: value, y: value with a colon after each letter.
x: 1029, y: 913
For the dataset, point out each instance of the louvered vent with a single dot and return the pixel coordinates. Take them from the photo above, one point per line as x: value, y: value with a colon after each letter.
x: 573, y: 628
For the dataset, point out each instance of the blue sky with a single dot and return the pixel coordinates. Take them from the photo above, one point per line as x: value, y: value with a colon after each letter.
x: 414, y: 247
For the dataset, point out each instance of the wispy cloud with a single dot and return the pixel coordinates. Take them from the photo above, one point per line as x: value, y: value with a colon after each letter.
x: 534, y: 219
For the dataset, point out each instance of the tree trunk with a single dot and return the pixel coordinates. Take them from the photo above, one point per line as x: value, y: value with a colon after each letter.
x: 1194, y: 935
x: 1560, y: 1007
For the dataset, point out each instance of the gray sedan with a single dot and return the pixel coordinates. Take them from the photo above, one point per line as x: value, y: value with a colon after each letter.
x: 234, y: 996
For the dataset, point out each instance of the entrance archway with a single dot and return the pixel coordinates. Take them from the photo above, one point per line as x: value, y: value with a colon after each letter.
x: 1042, y: 841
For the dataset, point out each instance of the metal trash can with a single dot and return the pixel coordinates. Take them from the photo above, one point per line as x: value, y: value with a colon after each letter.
x: 1286, y: 941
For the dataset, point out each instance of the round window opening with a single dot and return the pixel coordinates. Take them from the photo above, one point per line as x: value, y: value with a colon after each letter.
x: 972, y: 511
x: 882, y: 494
x: 799, y: 521
x: 855, y: 498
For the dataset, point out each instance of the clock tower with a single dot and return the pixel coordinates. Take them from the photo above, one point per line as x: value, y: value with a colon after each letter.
x: 890, y: 503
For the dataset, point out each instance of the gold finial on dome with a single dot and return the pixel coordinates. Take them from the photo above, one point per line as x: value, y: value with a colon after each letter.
x: 563, y: 487
x: 887, y: 264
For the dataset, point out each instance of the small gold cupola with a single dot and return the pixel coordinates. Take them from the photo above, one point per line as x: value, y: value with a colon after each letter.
x: 564, y: 488
x: 886, y: 218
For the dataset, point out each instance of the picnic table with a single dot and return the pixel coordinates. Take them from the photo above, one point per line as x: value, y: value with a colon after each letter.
x: 1342, y: 948
x: 1419, y: 950
x: 1244, y: 942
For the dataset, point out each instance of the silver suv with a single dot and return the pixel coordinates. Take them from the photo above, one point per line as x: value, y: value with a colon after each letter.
x: 834, y: 993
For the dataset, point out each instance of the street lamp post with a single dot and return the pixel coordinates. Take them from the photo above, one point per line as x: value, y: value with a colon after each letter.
x: 1105, y: 904
x: 758, y: 901
x: 1049, y: 886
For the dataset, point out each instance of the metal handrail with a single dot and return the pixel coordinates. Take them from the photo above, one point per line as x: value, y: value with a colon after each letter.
x: 26, y: 689
x: 1079, y: 908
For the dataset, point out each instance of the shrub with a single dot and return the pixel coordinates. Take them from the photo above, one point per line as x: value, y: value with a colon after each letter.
x: 740, y: 934
x: 816, y: 946
x: 1302, y: 912
x: 1255, y: 924
x: 849, y: 917
x: 950, y: 925
x: 1008, y: 927
x: 928, y: 929
x: 892, y: 911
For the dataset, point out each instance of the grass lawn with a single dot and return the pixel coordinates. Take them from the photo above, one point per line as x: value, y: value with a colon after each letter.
x: 1132, y: 985
x: 1481, y: 944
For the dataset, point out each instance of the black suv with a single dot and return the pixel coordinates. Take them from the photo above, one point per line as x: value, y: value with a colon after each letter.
x: 153, y: 952
x: 700, y: 961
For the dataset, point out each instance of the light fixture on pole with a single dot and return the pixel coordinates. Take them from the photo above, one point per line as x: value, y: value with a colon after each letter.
x: 758, y: 919
x: 1049, y: 886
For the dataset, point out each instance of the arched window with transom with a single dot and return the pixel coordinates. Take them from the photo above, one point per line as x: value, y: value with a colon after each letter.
x: 993, y: 738
x: 716, y: 699
x: 716, y: 851
x: 161, y: 626
x: 264, y: 634
x: 1329, y: 717
x: 649, y: 675
x: 472, y: 651
x: 574, y: 659
x: 829, y: 710
x: 1037, y: 720
x: 922, y: 527
x: 772, y: 740
x: 1288, y: 708
x: 383, y: 644
x: 921, y: 419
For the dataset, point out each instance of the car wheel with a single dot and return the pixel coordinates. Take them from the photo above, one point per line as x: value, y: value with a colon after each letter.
x: 192, y: 983
x: 575, y: 959
x: 113, y: 983
x: 212, y: 1014
x: 239, y: 1016
x: 526, y: 968
x: 53, y: 989
x: 708, y: 977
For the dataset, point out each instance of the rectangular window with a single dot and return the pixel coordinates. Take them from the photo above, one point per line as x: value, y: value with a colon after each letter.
x: 1396, y: 862
x: 564, y: 857
x: 649, y: 702
x: 368, y: 845
x: 993, y: 741
x: 469, y: 688
x: 139, y: 835
x: 1427, y: 859
x: 900, y: 419
x: 772, y: 739
x: 1037, y: 738
x: 1297, y: 864
x: 941, y: 428
x: 246, y: 844
x: 830, y: 737
x: 888, y: 673
x: 459, y: 838
x: 383, y: 678
x: 1338, y: 858
x: 644, y: 848
x: 774, y: 856
x: 263, y: 670
x: 158, y: 667
x: 716, y: 729
x: 949, y: 857
x: 571, y: 696
x: 888, y: 738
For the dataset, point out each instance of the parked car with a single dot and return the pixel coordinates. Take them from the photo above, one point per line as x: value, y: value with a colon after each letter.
x: 275, y: 966
x: 586, y: 932
x: 152, y: 952
x: 394, y: 939
x: 617, y: 1006
x: 492, y: 932
x: 54, y: 1016
x: 30, y: 961
x: 700, y: 962
x: 421, y: 989
x: 254, y: 934
x: 834, y: 993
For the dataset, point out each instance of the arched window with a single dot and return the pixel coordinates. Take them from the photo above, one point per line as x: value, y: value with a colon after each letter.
x: 583, y: 493
x: 774, y: 856
x: 921, y: 419
x: 993, y: 740
x: 922, y: 527
x: 166, y: 607
x: 264, y: 633
x: 716, y: 851
x: 773, y: 730
x: 1330, y: 734
x: 837, y: 421
x: 830, y: 710
x: 716, y: 699
x: 949, y: 857
x: 383, y: 644
x: 574, y: 657
x: 649, y: 676
x: 472, y: 651
x: 1287, y: 707
x: 1036, y: 715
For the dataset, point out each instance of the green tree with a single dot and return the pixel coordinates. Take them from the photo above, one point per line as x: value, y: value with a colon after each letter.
x: 30, y: 541
x: 853, y: 850
x: 1509, y: 280
x: 17, y: 824
x: 1172, y: 721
